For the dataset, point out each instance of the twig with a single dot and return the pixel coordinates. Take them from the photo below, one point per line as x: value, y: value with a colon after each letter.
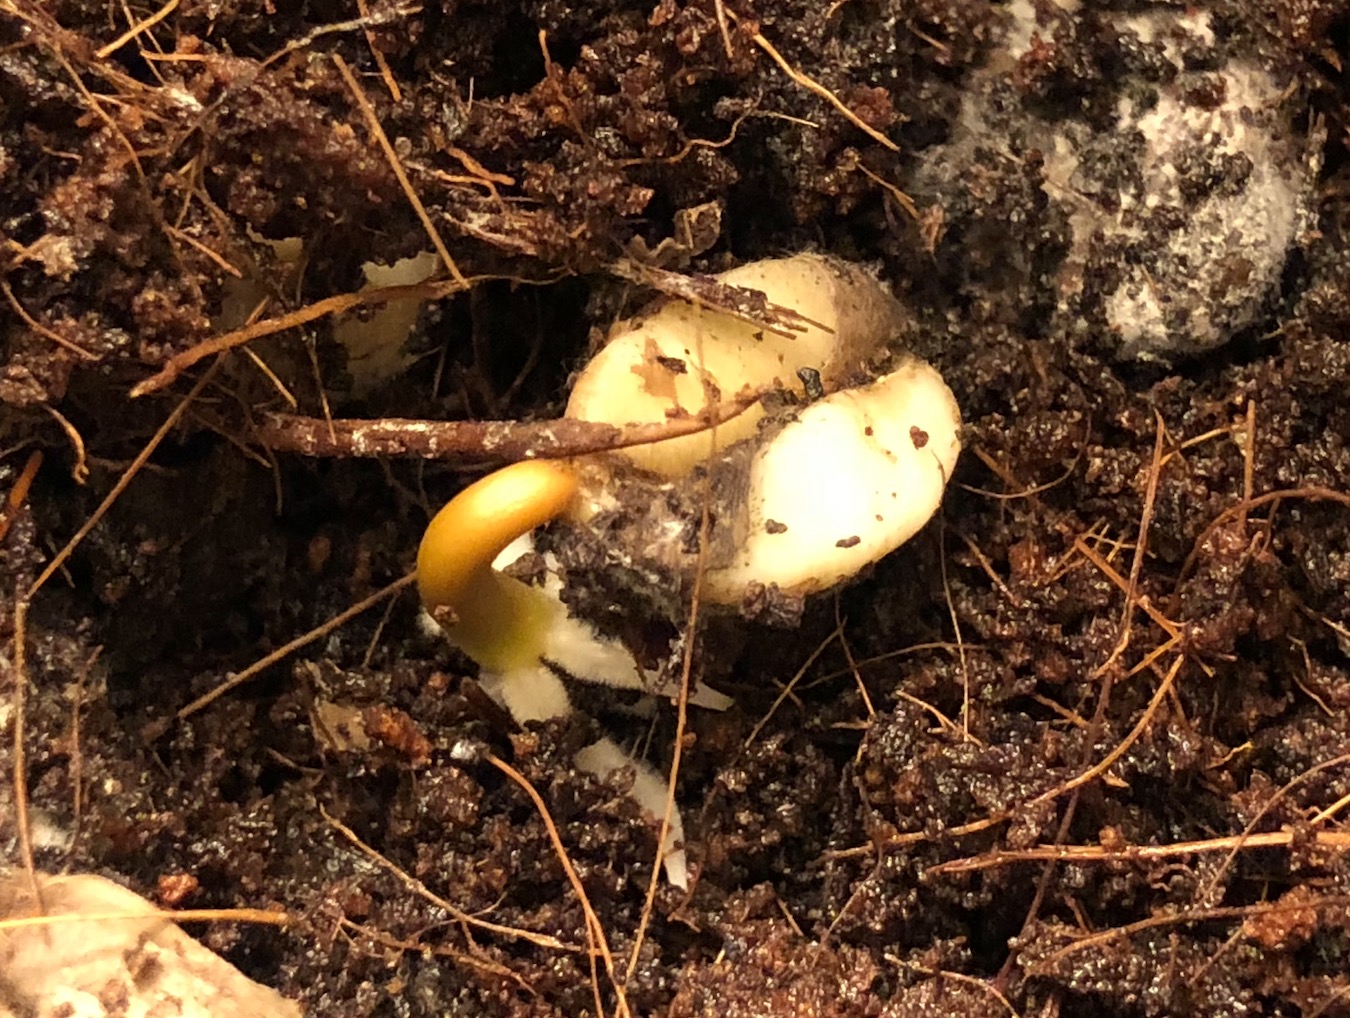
x: 720, y: 8
x: 955, y: 617
x: 318, y: 632
x: 146, y: 23
x: 77, y: 757
x: 1311, y: 492
x: 1334, y: 840
x: 395, y: 164
x: 216, y: 258
x: 594, y: 929
x: 741, y: 302
x: 901, y: 198
x: 981, y: 985
x: 387, y: 16
x: 18, y: 492
x: 128, y: 475
x: 681, y: 721
x: 43, y: 330
x: 418, y: 947
x: 264, y: 916
x: 20, y: 774
x: 1036, y: 489
x: 1132, y: 598
x: 390, y: 82
x: 421, y: 889
x: 1104, y: 567
x: 1123, y: 746
x: 179, y: 363
x: 1206, y: 889
x: 1248, y: 460
x: 79, y: 471
x: 811, y: 85
x: 478, y: 441
x: 1200, y: 915
x: 791, y: 685
x: 851, y: 661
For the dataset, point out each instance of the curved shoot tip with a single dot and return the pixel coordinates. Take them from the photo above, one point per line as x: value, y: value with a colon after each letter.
x: 463, y: 538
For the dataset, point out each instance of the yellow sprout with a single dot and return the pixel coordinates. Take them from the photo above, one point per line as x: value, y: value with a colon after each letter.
x: 500, y: 622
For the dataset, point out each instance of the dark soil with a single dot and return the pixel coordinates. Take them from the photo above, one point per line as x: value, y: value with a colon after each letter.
x: 1129, y: 628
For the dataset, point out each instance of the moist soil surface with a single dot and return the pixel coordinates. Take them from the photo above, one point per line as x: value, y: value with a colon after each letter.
x: 1080, y: 748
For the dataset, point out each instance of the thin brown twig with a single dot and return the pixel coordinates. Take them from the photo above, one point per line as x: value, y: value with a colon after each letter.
x: 42, y: 330
x: 479, y: 441
x: 79, y: 470
x: 788, y: 688
x: 215, y: 257
x: 1325, y: 1006
x: 982, y: 985
x: 396, y: 164
x: 811, y: 85
x: 388, y: 15
x: 1123, y: 746
x: 1248, y: 459
x: 689, y: 146
x: 1327, y: 812
x: 150, y: 44
x: 890, y: 655
x: 271, y: 376
x: 1035, y: 489
x: 681, y: 720
x: 850, y: 661
x: 312, y: 351
x: 264, y: 916
x: 555, y: 76
x: 1338, y: 841
x: 286, y: 649
x: 1311, y: 493
x: 23, y: 821
x: 390, y: 82
x: 77, y: 756
x: 595, y: 930
x: 719, y: 7
x: 128, y: 475
x: 988, y: 568
x: 1207, y: 888
x: 1093, y: 556
x: 956, y: 632
x: 1199, y: 915
x: 416, y: 946
x: 18, y: 492
x: 374, y: 643
x: 177, y: 364
x: 901, y: 198
x: 455, y: 912
x: 1136, y: 566
x: 145, y: 24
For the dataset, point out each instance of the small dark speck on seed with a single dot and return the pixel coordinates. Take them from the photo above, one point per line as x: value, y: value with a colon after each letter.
x: 813, y: 387
x: 868, y: 431
x: 673, y: 364
x: 918, y: 436
x: 848, y: 542
x: 774, y: 527
x: 879, y: 519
